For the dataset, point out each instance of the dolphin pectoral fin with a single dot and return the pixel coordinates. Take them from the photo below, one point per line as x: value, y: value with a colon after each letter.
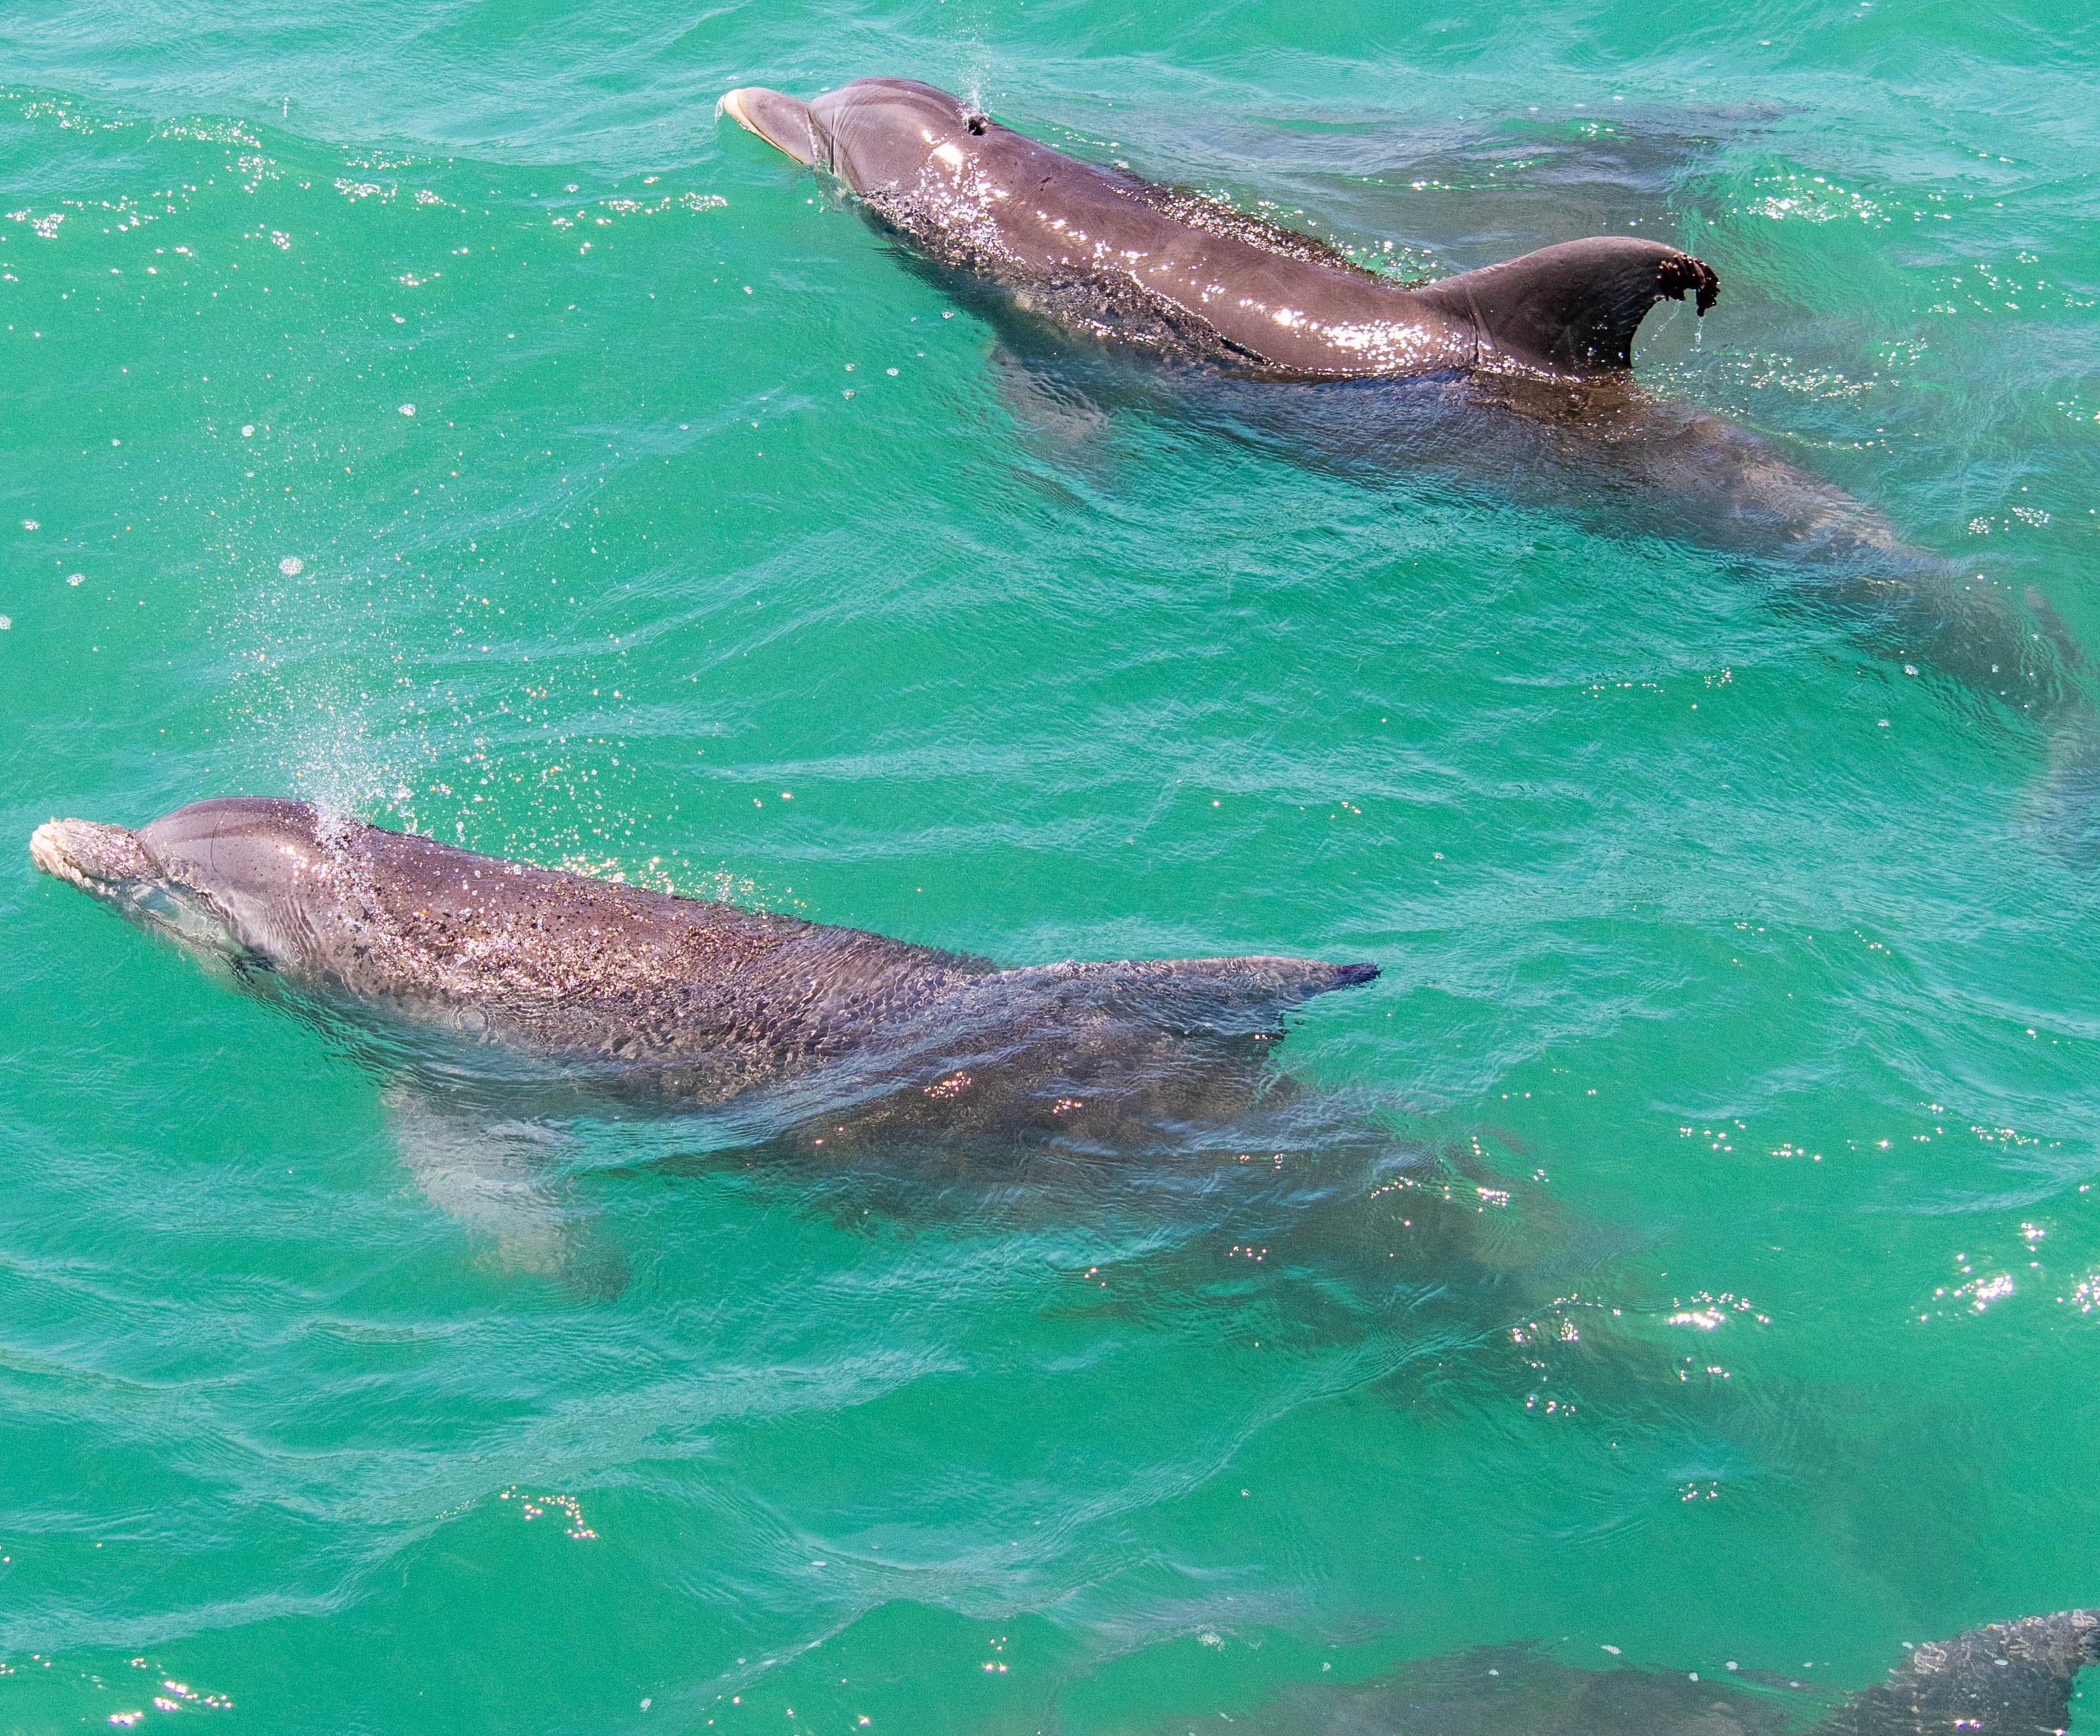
x: 2060, y: 808
x: 1576, y: 305
x: 495, y: 1177
x: 1065, y: 425
x: 2012, y: 1678
x: 781, y: 120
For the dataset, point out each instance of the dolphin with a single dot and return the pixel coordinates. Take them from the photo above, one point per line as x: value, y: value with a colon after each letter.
x: 1519, y: 372
x: 504, y: 1001
x: 681, y: 1000
x: 2014, y: 1678
x: 1128, y: 259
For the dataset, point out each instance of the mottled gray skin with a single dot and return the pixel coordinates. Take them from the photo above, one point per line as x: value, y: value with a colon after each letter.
x: 1134, y: 261
x: 2011, y: 1679
x: 680, y: 998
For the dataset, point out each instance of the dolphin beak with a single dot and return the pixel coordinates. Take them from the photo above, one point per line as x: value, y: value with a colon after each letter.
x: 782, y: 122
x: 89, y: 855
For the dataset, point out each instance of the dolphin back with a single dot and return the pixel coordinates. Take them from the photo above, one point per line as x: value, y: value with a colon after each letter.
x: 2015, y: 1678
x: 2011, y: 1679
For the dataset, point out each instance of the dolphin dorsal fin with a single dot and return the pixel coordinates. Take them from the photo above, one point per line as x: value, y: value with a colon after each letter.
x: 1574, y: 305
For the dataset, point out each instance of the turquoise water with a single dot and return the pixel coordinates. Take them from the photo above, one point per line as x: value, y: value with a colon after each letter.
x: 432, y: 410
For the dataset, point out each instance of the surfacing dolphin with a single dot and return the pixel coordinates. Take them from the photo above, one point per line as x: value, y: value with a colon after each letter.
x: 1133, y: 260
x: 1519, y: 373
x: 680, y: 1000
x: 504, y: 1001
x: 2012, y: 1678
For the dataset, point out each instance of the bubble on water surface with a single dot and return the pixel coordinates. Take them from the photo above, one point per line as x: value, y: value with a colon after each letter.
x: 75, y: 578
x: 291, y: 566
x: 246, y: 430
x: 6, y: 622
x: 28, y: 524
x: 408, y: 409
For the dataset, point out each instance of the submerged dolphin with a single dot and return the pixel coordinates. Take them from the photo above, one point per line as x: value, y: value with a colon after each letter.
x: 1518, y: 372
x: 647, y: 994
x: 2012, y: 1678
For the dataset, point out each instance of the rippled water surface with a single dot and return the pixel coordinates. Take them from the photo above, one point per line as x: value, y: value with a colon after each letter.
x: 431, y: 410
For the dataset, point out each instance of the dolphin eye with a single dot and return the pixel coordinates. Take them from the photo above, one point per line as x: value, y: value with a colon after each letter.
x: 976, y: 124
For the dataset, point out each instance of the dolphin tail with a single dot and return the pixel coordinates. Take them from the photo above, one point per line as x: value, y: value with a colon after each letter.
x: 1576, y: 305
x: 2012, y: 1678
x: 781, y: 121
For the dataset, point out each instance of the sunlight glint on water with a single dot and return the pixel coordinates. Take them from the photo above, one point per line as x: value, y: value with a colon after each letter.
x: 442, y: 416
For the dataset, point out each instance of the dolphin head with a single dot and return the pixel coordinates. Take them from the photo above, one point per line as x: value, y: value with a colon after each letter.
x: 241, y: 878
x: 875, y: 134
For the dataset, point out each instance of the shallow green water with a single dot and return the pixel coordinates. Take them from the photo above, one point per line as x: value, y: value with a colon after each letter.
x: 1745, y: 982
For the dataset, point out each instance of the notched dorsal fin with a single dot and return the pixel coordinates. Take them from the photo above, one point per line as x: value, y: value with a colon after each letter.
x: 1575, y: 305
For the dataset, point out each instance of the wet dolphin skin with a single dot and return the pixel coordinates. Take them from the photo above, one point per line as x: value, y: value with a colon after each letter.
x: 682, y: 998
x: 1130, y: 259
